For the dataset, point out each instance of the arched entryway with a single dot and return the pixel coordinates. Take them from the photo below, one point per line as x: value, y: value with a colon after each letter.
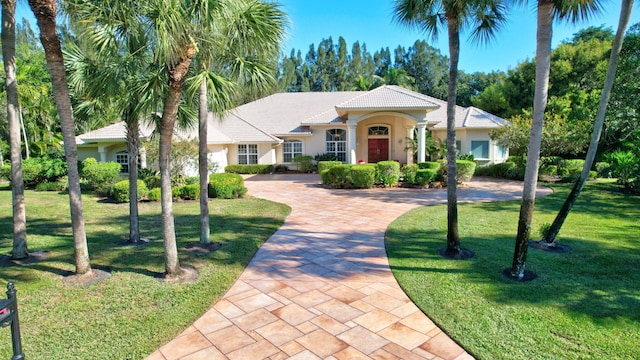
x: 378, y: 143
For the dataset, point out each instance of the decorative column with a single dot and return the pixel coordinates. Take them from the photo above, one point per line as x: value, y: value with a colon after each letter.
x: 142, y: 154
x: 421, y: 141
x: 351, y: 134
x: 409, y: 151
x: 103, y: 153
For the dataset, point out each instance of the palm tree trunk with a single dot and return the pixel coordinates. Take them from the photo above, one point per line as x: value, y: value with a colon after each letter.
x: 177, y: 76
x: 24, y: 134
x: 543, y: 65
x: 19, y: 250
x: 45, y: 12
x: 203, y: 167
x: 453, y: 238
x: 133, y: 143
x: 625, y: 14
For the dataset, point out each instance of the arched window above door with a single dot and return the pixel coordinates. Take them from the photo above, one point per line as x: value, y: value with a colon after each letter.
x: 379, y: 131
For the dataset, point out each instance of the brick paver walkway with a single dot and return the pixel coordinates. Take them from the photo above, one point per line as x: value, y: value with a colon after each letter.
x: 321, y: 287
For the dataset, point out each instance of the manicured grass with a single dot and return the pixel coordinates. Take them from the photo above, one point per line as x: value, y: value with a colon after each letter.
x: 583, y: 305
x: 130, y: 314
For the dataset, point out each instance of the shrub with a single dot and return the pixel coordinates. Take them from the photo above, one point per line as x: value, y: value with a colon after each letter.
x: 425, y: 176
x: 338, y: 175
x: 154, y: 194
x: 5, y: 172
x: 549, y: 170
x: 409, y: 172
x: 226, y: 186
x: 429, y: 165
x: 281, y: 169
x: 178, y: 180
x: 144, y: 173
x: 500, y: 170
x: 464, y: 170
x: 324, y: 176
x: 60, y: 185
x: 121, y: 191
x: 190, y: 192
x: 516, y: 172
x: 152, y: 182
x: 325, y: 157
x: 101, y: 176
x: 326, y: 165
x: 362, y: 176
x: 468, y: 157
x: 192, y: 180
x: 387, y: 173
x: 603, y: 169
x: 305, y: 163
x: 249, y: 169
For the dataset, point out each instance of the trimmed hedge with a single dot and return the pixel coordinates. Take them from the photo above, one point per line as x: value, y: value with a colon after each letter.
x: 387, y: 173
x: 338, y: 175
x: 152, y: 182
x: 305, y: 163
x: 249, y: 169
x: 429, y: 165
x: 154, y: 194
x: 409, y: 172
x: 425, y: 176
x: 226, y: 186
x: 362, y: 176
x: 61, y: 184
x: 189, y: 192
x: 464, y: 170
x: 101, y: 176
x: 326, y: 165
x: 121, y: 191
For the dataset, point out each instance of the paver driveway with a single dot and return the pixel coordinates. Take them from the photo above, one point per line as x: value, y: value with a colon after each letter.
x: 321, y: 287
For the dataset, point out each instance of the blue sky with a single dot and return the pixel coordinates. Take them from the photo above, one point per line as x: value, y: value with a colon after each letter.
x: 369, y: 21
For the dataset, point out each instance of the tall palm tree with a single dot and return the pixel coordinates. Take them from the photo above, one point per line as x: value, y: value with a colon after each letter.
x: 484, y: 18
x: 571, y: 10
x: 20, y: 250
x: 625, y: 14
x: 45, y: 12
x: 112, y: 69
x: 235, y: 51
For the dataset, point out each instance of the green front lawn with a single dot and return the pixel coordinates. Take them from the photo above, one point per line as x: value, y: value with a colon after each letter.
x: 130, y: 314
x: 583, y: 305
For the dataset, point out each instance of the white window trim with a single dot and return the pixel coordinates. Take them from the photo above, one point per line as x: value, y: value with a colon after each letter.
x: 293, y: 152
x: 336, y: 143
x: 488, y: 149
x: 247, y: 154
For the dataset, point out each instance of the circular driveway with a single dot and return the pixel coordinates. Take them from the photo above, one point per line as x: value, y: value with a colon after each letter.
x: 321, y: 286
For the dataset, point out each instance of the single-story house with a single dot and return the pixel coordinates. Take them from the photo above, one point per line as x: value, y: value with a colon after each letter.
x: 355, y: 126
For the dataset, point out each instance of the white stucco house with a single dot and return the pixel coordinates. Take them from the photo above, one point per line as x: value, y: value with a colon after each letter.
x: 368, y: 126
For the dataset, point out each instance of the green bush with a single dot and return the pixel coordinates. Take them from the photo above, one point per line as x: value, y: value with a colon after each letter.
x: 517, y: 172
x: 603, y: 169
x: 121, y: 191
x: 152, y: 182
x: 5, y: 171
x: 468, y: 157
x: 387, y: 173
x: 338, y: 176
x: 101, y: 176
x: 281, y: 168
x: 190, y: 192
x: 362, y: 176
x: 192, y: 180
x: 59, y: 185
x: 38, y: 170
x: 324, y: 176
x: 144, y: 173
x: 326, y: 165
x: 249, y: 169
x: 226, y: 186
x: 305, y: 163
x: 549, y: 170
x: 499, y: 170
x: 425, y: 176
x: 409, y: 172
x: 429, y: 165
x: 178, y: 180
x: 464, y: 170
x: 325, y: 157
x: 154, y: 194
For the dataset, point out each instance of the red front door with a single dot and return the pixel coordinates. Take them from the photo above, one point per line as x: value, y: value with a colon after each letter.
x: 378, y: 150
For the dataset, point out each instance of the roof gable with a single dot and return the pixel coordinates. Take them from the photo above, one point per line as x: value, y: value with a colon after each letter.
x: 388, y: 97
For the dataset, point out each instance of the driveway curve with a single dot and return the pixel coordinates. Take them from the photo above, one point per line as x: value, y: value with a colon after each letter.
x: 321, y: 286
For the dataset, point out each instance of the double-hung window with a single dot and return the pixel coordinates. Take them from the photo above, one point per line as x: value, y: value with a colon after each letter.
x: 291, y: 149
x: 337, y: 143
x: 247, y: 154
x: 122, y: 158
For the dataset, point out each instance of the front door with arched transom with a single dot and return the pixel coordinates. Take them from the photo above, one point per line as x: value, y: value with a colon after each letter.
x: 378, y: 144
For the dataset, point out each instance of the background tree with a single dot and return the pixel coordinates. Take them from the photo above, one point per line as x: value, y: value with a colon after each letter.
x: 546, y: 10
x: 625, y: 14
x: 484, y: 18
x: 20, y: 250
x: 45, y: 12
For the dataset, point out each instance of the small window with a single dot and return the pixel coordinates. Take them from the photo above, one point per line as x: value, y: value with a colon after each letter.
x: 378, y: 131
x: 337, y: 143
x: 291, y: 149
x: 122, y: 158
x: 480, y: 149
x: 501, y: 152
x: 247, y: 154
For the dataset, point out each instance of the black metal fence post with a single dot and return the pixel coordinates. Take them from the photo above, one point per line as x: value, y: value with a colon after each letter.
x: 9, y: 316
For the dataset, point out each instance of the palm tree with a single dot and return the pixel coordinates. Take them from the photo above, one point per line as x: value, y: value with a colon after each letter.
x: 572, y: 10
x: 20, y: 250
x: 236, y: 52
x: 45, y: 12
x: 112, y: 69
x: 625, y: 14
x: 484, y: 17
